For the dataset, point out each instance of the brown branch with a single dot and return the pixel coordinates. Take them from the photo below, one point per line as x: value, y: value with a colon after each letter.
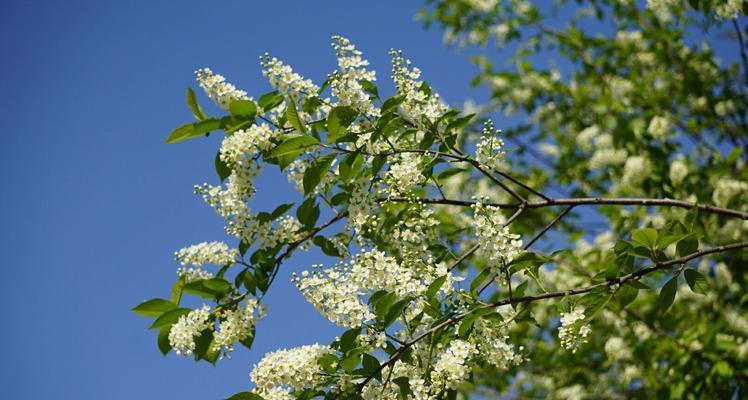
x: 528, y: 299
x: 581, y: 201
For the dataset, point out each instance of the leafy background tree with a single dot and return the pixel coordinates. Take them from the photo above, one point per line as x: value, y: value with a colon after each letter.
x: 68, y: 288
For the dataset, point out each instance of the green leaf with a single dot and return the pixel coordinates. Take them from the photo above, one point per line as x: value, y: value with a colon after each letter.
x: 392, y: 103
x: 627, y: 294
x: 245, y: 396
x: 687, y: 246
x: 370, y: 363
x: 280, y: 210
x: 667, y: 294
x: 169, y: 317
x: 164, y: 345
x: 268, y: 101
x: 154, y: 307
x: 176, y: 291
x: 646, y: 237
x: 479, y: 279
x: 404, y: 384
x: 338, y: 121
x: 292, y: 116
x: 348, y: 339
x: 192, y: 103
x: 217, y: 285
x: 691, y: 216
x: 181, y: 133
x: 243, y: 108
x: 315, y: 172
x: 222, y: 169
x: 696, y: 281
x: 308, y: 212
x: 466, y: 325
x: 294, y: 145
x: 350, y: 363
x: 350, y: 165
x: 435, y: 286
x: 394, y: 311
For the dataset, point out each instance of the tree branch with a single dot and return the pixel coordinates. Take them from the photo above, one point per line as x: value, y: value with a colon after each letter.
x: 580, y: 201
x: 528, y: 299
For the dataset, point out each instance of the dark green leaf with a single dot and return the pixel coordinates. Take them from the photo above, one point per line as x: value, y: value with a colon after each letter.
x: 316, y: 172
x: 687, y: 246
x: 696, y: 281
x: 269, y: 101
x: 394, y: 311
x: 308, y: 212
x: 163, y: 339
x: 338, y: 121
x: 626, y: 294
x: 435, y: 286
x: 479, y: 279
x: 221, y: 168
x: 348, y: 339
x: 392, y: 103
x: 667, y: 294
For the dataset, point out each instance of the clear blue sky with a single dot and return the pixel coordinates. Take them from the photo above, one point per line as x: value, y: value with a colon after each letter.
x: 94, y: 204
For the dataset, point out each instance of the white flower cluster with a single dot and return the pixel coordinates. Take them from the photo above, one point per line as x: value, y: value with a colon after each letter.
x: 659, y: 127
x: 452, y: 366
x: 197, y: 255
x: 606, y: 153
x: 616, y: 349
x: 183, y: 333
x: 239, y: 147
x: 295, y: 368
x: 289, y: 83
x: 491, y: 340
x: 635, y: 172
x: 729, y: 9
x: 346, y: 83
x: 678, y: 170
x: 572, y: 333
x: 404, y: 174
x: 726, y: 189
x: 661, y: 8
x: 489, y: 150
x: 336, y: 292
x: 362, y: 207
x: 216, y: 87
x: 496, y: 242
x: 418, y: 102
x: 236, y: 325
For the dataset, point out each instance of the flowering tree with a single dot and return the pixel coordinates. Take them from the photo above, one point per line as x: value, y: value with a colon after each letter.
x: 603, y: 256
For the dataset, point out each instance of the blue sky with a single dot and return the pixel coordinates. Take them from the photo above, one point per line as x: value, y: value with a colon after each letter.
x: 94, y: 204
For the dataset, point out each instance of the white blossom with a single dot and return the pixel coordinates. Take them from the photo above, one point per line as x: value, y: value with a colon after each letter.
x: 294, y: 368
x: 345, y: 84
x: 188, y: 327
x: 678, y: 171
x: 218, y: 89
x: 236, y: 325
x: 419, y: 102
x: 489, y: 150
x: 404, y: 174
x: 451, y: 368
x: 496, y: 241
x: 572, y: 333
x: 726, y: 189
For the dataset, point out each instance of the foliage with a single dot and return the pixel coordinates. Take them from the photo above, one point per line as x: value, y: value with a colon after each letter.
x: 441, y: 288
